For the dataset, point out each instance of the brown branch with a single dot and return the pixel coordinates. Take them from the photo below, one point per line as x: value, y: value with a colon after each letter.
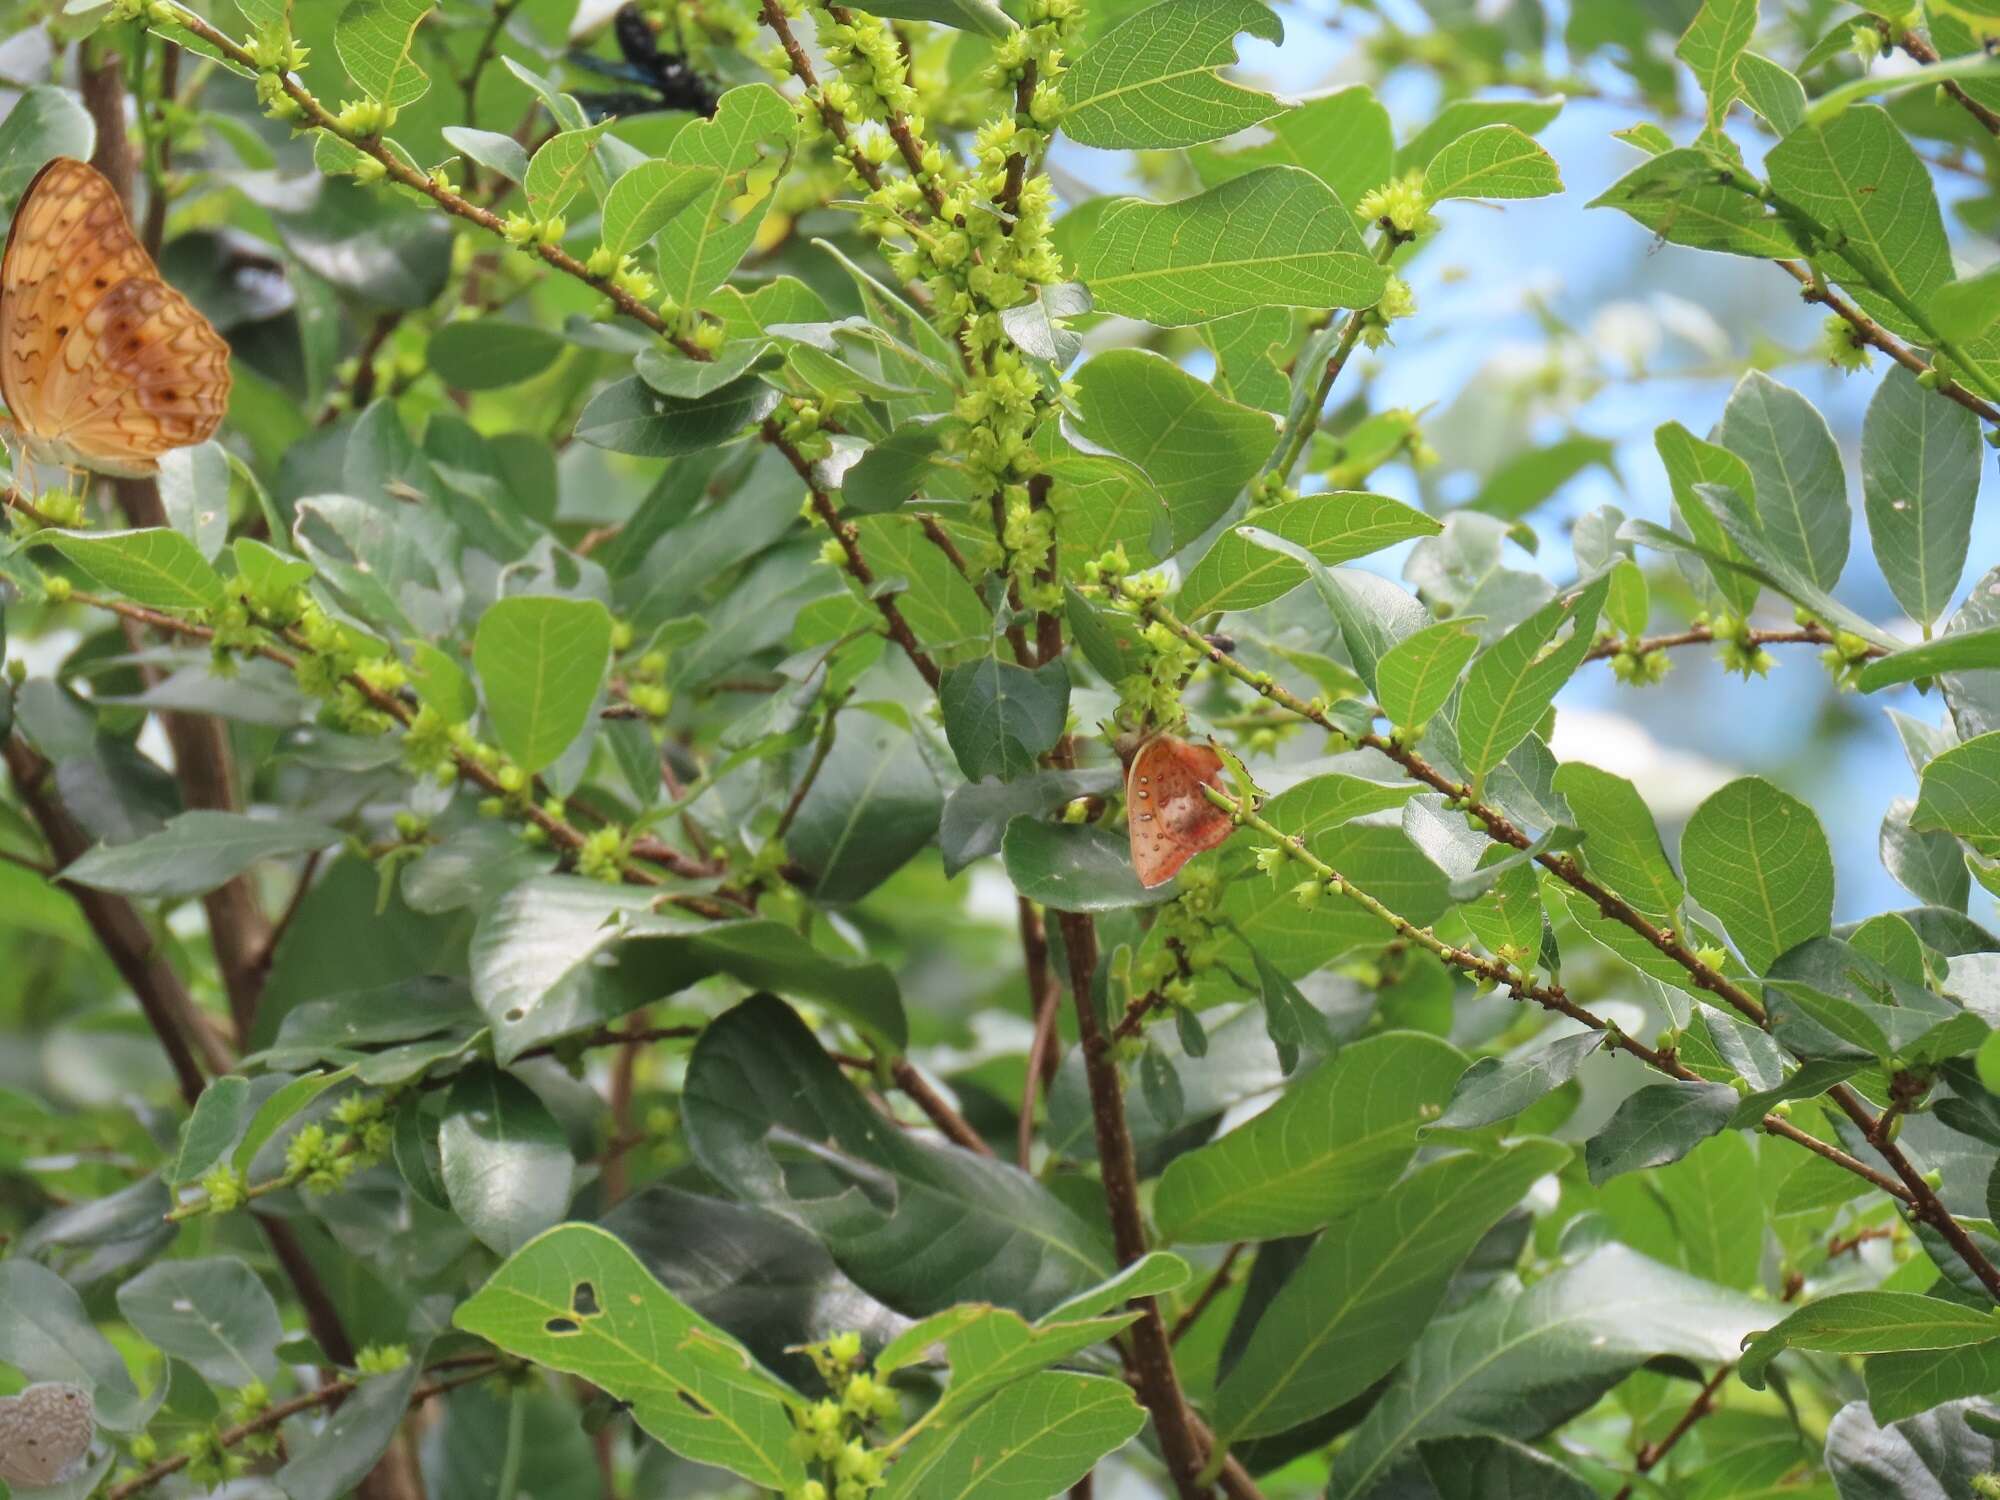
x: 822, y: 748
x: 954, y: 1126
x: 1701, y: 1406
x: 1044, y: 1006
x: 1217, y: 1284
x: 1920, y: 50
x: 1152, y: 1356
x: 121, y: 932
x: 330, y: 1394
x: 1873, y: 334
x: 1699, y: 635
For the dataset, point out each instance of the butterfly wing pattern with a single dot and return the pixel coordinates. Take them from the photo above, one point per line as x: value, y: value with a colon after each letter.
x: 1169, y: 818
x: 102, y: 364
x: 45, y: 1433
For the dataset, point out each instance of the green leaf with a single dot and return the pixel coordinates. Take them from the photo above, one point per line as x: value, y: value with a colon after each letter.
x: 504, y: 1159
x: 1495, y: 161
x: 492, y: 150
x: 1075, y: 867
x: 1491, y: 1468
x: 1000, y: 718
x: 1692, y: 461
x: 1622, y: 846
x: 939, y: 605
x: 1337, y: 527
x: 219, y: 1117
x: 45, y: 122
x: 1773, y: 91
x: 540, y: 663
x: 1967, y: 310
x: 1931, y: 866
x: 215, y: 1314
x: 577, y: 1300
x: 1275, y: 236
x: 1461, y: 117
x: 748, y: 143
x: 979, y: 17
x: 1758, y: 859
x: 1869, y: 1323
x: 333, y: 1460
x: 895, y: 469
x: 1198, y: 448
x: 1037, y: 1437
x: 1330, y: 1145
x: 560, y: 168
x: 195, y: 853
x: 1960, y: 794
x: 976, y: 815
x: 1919, y: 478
x: 1342, y: 138
x: 646, y: 199
x: 1720, y: 33
x: 1678, y: 195
x: 1417, y: 675
x: 1289, y: 1018
x: 284, y: 1105
x: 1513, y: 681
x: 487, y: 354
x: 1859, y: 176
x: 1954, y: 651
x: 1519, y: 1364
x: 1714, y: 1194
x: 1526, y: 480
x: 1658, y: 1124
x: 1153, y: 80
x: 374, y: 39
x: 194, y: 492
x: 1499, y: 1088
x: 1799, y: 484
x: 873, y: 806
x: 1368, y: 1287
x: 1905, y: 1385
x: 629, y: 416
x: 673, y: 373
x: 953, y: 1226
x: 46, y: 1335
x: 157, y: 566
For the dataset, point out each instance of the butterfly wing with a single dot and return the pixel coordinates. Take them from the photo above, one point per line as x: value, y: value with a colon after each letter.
x: 97, y: 354
x: 142, y: 372
x: 44, y: 1433
x: 1169, y: 819
x: 68, y: 246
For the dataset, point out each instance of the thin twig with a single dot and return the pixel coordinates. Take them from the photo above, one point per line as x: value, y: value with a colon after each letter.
x: 1216, y: 1285
x: 1920, y: 50
x: 1701, y: 1406
x: 954, y: 1126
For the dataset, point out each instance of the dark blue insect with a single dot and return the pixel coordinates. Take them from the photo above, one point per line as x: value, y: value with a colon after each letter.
x: 664, y: 80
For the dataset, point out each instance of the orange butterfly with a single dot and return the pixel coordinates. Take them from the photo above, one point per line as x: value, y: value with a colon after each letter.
x: 1169, y: 818
x: 103, y: 365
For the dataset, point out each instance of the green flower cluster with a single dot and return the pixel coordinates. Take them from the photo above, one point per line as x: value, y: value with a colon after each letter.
x: 1192, y: 926
x: 1736, y: 648
x: 834, y: 1433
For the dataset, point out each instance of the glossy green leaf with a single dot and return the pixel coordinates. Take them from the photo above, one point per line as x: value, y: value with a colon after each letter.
x: 46, y: 1335
x: 1903, y: 1385
x: 1517, y: 1364
x: 541, y: 662
x: 1198, y: 448
x: 1960, y: 794
x: 1954, y: 651
x: 874, y: 804
x: 1337, y: 527
x: 1075, y: 867
x: 1758, y: 859
x: 1001, y: 718
x: 1037, y: 1437
x: 1513, y: 681
x: 1276, y: 236
x: 747, y: 143
x: 1621, y: 844
x: 577, y: 1300
x: 486, y: 354
x: 1868, y: 1323
x: 1152, y: 81
x: 1499, y: 1088
x: 957, y: 1227
x: 195, y: 853
x: 629, y: 416
x: 560, y: 169
x: 1919, y: 478
x: 1711, y: 46
x: 506, y: 1165
x: 1369, y: 1286
x: 1335, y: 1140
x: 1658, y: 1124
